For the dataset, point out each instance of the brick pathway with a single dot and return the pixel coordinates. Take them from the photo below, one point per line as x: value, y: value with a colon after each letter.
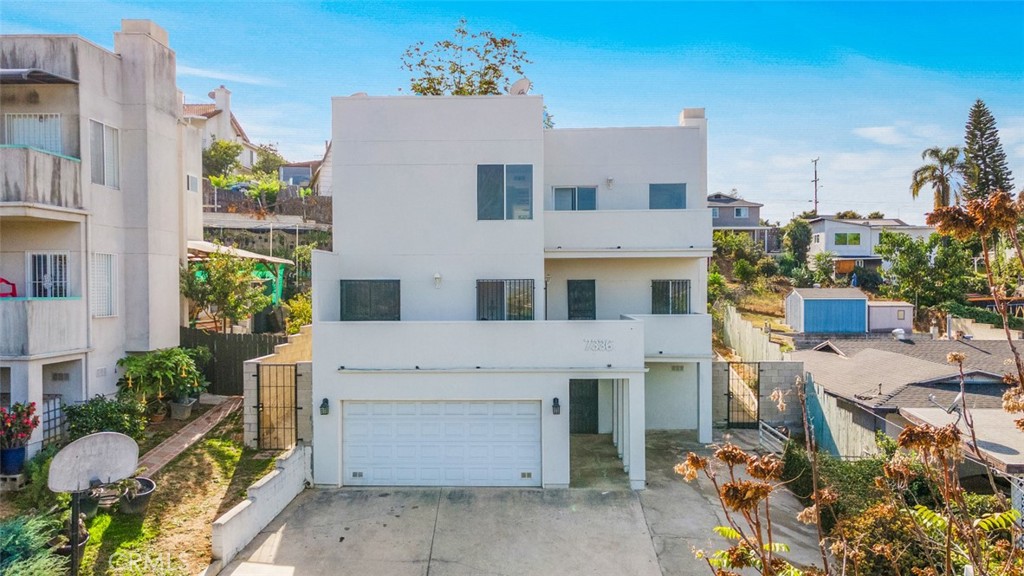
x: 167, y: 450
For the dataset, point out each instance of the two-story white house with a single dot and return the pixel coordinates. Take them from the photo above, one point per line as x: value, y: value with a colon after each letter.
x: 854, y: 241
x: 495, y: 287
x: 217, y: 122
x: 96, y: 208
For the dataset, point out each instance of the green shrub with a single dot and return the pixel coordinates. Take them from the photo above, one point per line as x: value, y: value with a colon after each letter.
x: 767, y: 267
x: 101, y: 414
x: 300, y: 312
x: 23, y: 540
x: 36, y: 495
x: 979, y: 314
x: 885, y: 536
x: 853, y: 480
x: 154, y: 376
x: 744, y: 271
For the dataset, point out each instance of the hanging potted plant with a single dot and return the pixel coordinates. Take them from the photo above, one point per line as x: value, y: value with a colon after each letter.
x: 16, y: 426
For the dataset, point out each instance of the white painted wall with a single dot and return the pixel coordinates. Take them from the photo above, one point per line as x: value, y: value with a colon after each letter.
x: 671, y: 397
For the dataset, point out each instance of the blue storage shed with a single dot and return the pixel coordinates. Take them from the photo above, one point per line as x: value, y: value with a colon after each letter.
x: 833, y: 310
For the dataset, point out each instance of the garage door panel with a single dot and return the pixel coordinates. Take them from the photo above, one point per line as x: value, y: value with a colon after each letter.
x: 442, y: 443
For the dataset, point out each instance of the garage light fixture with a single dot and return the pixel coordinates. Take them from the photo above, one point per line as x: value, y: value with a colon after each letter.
x: 556, y: 408
x: 437, y: 279
x: 325, y: 407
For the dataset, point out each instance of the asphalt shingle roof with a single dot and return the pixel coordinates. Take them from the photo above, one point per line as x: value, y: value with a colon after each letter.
x: 987, y: 355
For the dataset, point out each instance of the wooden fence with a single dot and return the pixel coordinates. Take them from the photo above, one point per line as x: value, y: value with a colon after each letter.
x: 230, y: 351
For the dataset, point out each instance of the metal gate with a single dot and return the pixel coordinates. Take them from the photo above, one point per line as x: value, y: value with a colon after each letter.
x: 744, y: 407
x: 276, y: 406
x: 583, y: 406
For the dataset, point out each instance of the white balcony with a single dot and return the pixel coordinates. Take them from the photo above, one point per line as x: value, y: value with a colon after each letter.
x: 36, y: 183
x: 669, y: 337
x: 36, y: 326
x: 627, y: 233
x: 454, y: 346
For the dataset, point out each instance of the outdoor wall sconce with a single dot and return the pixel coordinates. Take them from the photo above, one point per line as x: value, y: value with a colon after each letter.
x: 325, y: 407
x: 437, y: 279
x: 609, y: 180
x: 556, y: 408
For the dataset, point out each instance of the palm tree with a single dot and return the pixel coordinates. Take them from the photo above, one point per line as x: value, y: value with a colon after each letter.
x: 940, y: 174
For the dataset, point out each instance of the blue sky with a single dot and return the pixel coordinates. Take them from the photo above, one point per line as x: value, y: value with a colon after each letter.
x: 863, y: 86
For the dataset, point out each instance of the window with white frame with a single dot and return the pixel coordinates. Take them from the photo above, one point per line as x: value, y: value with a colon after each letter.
x: 576, y: 198
x: 36, y: 130
x: 741, y: 213
x: 667, y: 196
x: 714, y: 213
x: 192, y: 183
x: 104, y: 146
x: 504, y: 192
x: 847, y: 239
x: 103, y: 285
x: 47, y: 274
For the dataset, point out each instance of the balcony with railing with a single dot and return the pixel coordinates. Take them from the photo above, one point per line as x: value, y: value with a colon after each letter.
x: 627, y: 233
x: 37, y: 177
x: 675, y: 336
x: 35, y: 326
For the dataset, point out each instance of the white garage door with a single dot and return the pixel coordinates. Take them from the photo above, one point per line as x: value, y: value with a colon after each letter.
x: 441, y: 444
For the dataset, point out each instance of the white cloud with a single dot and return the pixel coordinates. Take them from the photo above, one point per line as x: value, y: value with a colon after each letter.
x: 885, y: 135
x: 226, y: 76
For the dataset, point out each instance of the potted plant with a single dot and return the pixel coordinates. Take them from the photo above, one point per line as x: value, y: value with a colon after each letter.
x: 155, y: 376
x: 61, y: 544
x: 16, y: 426
x: 138, y: 491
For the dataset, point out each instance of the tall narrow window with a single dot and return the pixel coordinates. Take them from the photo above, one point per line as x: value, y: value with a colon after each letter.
x: 104, y: 146
x: 370, y: 300
x: 103, y: 287
x: 582, y: 299
x: 36, y: 130
x: 48, y: 275
x: 670, y: 297
x: 576, y: 198
x: 504, y: 192
x: 504, y: 299
x: 667, y: 196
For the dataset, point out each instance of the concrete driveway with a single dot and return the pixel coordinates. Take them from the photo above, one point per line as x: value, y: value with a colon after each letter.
x: 473, y: 531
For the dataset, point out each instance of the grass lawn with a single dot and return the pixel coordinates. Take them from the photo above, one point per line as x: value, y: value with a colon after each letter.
x: 173, y: 536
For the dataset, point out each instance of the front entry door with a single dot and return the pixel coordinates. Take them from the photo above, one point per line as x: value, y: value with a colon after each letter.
x: 583, y: 406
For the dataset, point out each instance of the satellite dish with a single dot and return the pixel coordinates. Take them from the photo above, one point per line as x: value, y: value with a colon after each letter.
x: 521, y: 87
x: 103, y: 457
x: 359, y: 94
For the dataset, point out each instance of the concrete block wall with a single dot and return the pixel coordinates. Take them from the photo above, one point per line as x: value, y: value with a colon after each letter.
x: 304, y: 400
x: 299, y: 351
x: 250, y: 432
x: 781, y: 376
x: 266, y: 499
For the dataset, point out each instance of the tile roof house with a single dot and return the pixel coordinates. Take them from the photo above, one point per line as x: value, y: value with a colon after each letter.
x: 218, y: 122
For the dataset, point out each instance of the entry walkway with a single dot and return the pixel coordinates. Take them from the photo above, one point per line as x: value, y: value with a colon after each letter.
x: 191, y: 433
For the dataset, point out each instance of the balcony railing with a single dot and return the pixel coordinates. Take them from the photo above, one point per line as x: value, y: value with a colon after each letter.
x: 32, y: 326
x: 624, y: 231
x: 38, y: 177
x: 675, y: 335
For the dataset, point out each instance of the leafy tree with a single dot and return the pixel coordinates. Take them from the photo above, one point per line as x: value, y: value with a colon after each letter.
x: 985, y: 166
x: 941, y: 174
x: 225, y: 288
x: 717, y: 288
x: 797, y: 238
x: 744, y: 271
x: 824, y: 268
x: 767, y: 267
x: 221, y: 158
x: 470, y: 63
x: 925, y: 272
x: 268, y: 159
x: 848, y: 215
x: 300, y: 312
x: 267, y: 187
x: 876, y: 215
x: 868, y: 279
x: 735, y: 245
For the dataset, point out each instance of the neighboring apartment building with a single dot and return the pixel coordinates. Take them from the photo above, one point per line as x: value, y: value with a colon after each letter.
x: 854, y: 241
x: 495, y: 287
x: 218, y: 122
x: 94, y: 211
x: 732, y: 213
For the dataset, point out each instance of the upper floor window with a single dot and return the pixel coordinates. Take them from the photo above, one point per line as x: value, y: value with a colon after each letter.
x: 36, y: 130
x: 104, y: 146
x: 847, y: 239
x: 103, y: 287
x: 741, y: 213
x: 369, y: 300
x: 670, y: 297
x: 582, y: 299
x: 816, y: 239
x: 504, y: 299
x: 576, y: 198
x: 714, y: 213
x: 47, y: 274
x: 667, y: 196
x: 192, y: 183
x: 504, y: 192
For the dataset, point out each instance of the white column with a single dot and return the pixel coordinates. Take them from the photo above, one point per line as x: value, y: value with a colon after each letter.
x: 27, y: 386
x: 704, y: 401
x: 637, y: 434
x: 619, y: 417
x: 627, y: 425
x: 615, y: 412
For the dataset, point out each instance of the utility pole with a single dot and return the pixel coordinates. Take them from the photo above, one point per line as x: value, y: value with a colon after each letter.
x: 815, y: 162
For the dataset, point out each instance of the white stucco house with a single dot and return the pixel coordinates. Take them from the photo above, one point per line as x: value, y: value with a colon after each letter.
x: 216, y: 121
x: 96, y: 208
x: 495, y: 287
x: 854, y: 242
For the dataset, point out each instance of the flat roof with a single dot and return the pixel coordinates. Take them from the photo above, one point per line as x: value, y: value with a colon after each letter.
x: 998, y: 437
x: 32, y: 76
x: 830, y: 293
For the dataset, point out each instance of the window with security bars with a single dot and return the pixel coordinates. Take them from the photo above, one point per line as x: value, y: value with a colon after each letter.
x: 504, y: 299
x: 370, y: 300
x: 36, y: 130
x: 582, y: 299
x: 104, y: 148
x: 48, y: 275
x: 670, y: 297
x: 102, y: 287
